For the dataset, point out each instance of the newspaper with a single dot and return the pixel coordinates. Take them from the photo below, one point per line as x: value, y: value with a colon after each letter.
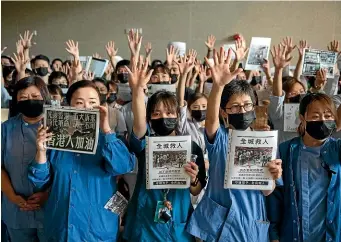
x: 74, y: 130
x: 291, y: 117
x: 85, y: 62
x: 181, y: 46
x: 153, y: 88
x: 207, y: 88
x: 314, y: 60
x: 259, y: 50
x: 248, y: 153
x: 165, y: 158
x: 98, y: 66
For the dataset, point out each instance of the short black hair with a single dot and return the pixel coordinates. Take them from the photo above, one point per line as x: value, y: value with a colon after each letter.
x: 101, y: 80
x: 41, y: 57
x: 156, y: 63
x: 27, y: 71
x: 80, y: 84
x: 236, y: 87
x: 164, y: 68
x: 67, y: 62
x: 25, y: 83
x: 168, y: 99
x: 122, y: 63
x: 55, y: 90
x: 55, y: 75
x: 8, y: 58
x: 57, y: 59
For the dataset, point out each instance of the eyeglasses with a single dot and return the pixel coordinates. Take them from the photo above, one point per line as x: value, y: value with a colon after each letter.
x: 237, y: 108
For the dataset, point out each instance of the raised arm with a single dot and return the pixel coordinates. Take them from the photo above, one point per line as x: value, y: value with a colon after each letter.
x: 202, y: 79
x: 134, y: 43
x: 280, y: 61
x: 26, y: 43
x: 20, y: 63
x: 240, y: 52
x: 139, y: 76
x: 299, y: 66
x: 221, y: 76
x: 210, y: 45
x: 148, y: 48
x: 266, y: 70
x: 112, y: 52
x: 171, y: 55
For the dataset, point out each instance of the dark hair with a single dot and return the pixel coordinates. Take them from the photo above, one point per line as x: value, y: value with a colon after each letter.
x: 155, y: 63
x: 8, y: 58
x: 289, y: 82
x: 80, y: 84
x: 67, y: 62
x: 40, y: 57
x: 122, y: 63
x: 108, y: 83
x: 55, y: 90
x: 168, y: 99
x: 309, y: 99
x: 56, y: 75
x: 101, y: 80
x: 194, y: 97
x: 164, y: 68
x: 25, y: 83
x: 236, y: 87
x: 57, y: 59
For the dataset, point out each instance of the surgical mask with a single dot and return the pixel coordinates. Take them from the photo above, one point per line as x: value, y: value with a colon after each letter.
x: 6, y: 70
x: 112, y: 98
x: 242, y: 121
x: 164, y: 126
x: 31, y: 108
x: 174, y: 78
x: 199, y: 115
x: 123, y: 77
x: 320, y: 129
x: 41, y: 71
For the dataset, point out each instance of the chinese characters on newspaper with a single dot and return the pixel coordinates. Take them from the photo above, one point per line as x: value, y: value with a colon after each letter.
x: 314, y: 60
x: 165, y: 158
x: 249, y: 151
x: 291, y: 117
x: 74, y: 130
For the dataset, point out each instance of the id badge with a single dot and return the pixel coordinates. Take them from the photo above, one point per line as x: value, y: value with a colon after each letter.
x: 162, y: 213
x: 117, y: 204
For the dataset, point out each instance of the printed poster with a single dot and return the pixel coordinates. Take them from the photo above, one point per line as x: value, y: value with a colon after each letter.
x: 291, y: 117
x: 259, y: 50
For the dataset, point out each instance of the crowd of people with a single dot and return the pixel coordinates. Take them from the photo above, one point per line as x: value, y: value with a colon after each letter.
x: 53, y: 195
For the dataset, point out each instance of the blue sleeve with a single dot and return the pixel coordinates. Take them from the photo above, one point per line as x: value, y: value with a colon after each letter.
x: 39, y: 174
x: 118, y: 159
x: 137, y: 145
x: 216, y: 145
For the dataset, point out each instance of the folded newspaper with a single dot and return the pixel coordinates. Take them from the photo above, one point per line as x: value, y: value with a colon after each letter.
x: 248, y: 153
x: 165, y: 160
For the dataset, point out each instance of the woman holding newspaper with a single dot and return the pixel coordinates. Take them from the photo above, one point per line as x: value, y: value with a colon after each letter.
x: 238, y: 215
x: 159, y: 214
x: 80, y: 185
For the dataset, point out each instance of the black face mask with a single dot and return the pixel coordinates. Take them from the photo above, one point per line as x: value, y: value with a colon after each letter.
x: 199, y: 115
x: 41, y: 71
x: 31, y: 108
x: 123, y: 77
x: 112, y: 98
x: 241, y: 121
x: 174, y: 78
x: 164, y: 126
x: 295, y: 99
x: 6, y: 70
x: 63, y: 86
x: 103, y: 98
x: 320, y: 129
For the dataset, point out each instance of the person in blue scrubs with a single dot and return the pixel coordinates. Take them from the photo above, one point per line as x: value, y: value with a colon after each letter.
x: 160, y: 118
x: 305, y: 205
x: 229, y: 214
x: 22, y: 201
x: 81, y: 184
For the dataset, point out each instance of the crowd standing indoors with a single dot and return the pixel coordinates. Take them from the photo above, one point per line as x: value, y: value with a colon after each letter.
x: 53, y: 195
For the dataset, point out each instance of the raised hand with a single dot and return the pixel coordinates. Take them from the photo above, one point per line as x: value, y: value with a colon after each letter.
x: 89, y: 76
x: 74, y: 71
x: 266, y: 66
x: 26, y: 41
x: 210, y: 42
x: 139, y: 75
x: 20, y: 47
x: 72, y: 48
x: 148, y: 48
x: 110, y: 48
x: 221, y: 74
x: 321, y: 78
x: 3, y: 49
x: 20, y: 62
x: 303, y: 44
x: 171, y: 54
x: 279, y: 57
x: 289, y: 46
x: 241, y: 49
x: 187, y: 63
x: 96, y: 55
x: 134, y: 43
x: 202, y: 74
x: 66, y: 69
x: 334, y: 46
